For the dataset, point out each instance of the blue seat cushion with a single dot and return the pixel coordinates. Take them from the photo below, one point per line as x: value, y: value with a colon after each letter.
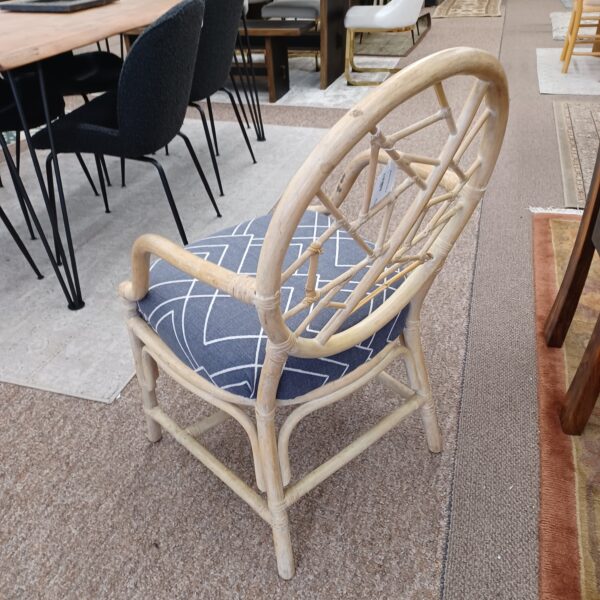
x: 221, y: 338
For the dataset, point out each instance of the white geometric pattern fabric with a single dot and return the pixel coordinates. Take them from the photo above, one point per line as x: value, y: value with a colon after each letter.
x: 222, y: 340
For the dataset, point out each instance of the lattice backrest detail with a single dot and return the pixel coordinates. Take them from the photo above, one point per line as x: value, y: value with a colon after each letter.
x: 403, y: 209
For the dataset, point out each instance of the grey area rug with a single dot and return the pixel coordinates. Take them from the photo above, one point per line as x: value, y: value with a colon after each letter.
x: 468, y: 8
x: 577, y: 127
x: 85, y: 353
x: 583, y: 77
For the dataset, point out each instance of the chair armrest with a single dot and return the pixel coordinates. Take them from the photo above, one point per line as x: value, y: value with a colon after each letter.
x: 239, y: 286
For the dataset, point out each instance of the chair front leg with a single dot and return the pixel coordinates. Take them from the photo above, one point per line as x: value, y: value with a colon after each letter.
x: 267, y: 439
x: 147, y: 374
x: 419, y: 381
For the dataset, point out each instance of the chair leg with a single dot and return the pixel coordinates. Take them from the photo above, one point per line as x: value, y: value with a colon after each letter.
x: 569, y: 30
x: 168, y: 194
x: 122, y: 171
x: 105, y: 171
x: 572, y: 38
x: 564, y: 306
x: 239, y: 120
x: 86, y: 173
x: 239, y: 98
x: 212, y: 125
x: 196, y: 162
x: 19, y: 242
x: 147, y: 374
x: 21, y: 201
x: 347, y: 58
x: 584, y: 389
x: 213, y: 157
x: 419, y: 381
x: 101, y: 178
x: 18, y: 150
x: 267, y: 440
x: 167, y: 149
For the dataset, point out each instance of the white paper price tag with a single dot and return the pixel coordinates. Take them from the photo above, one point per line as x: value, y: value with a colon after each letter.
x: 384, y: 183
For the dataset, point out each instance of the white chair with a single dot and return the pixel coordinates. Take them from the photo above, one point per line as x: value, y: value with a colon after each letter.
x: 396, y: 16
x: 297, y: 309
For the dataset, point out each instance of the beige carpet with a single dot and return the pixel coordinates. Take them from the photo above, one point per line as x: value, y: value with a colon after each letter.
x: 468, y: 8
x: 89, y: 510
x: 577, y: 127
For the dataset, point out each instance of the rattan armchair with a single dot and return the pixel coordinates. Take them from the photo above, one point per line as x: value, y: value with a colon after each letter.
x: 298, y: 309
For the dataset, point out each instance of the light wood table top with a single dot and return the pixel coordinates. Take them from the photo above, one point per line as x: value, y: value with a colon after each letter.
x: 28, y: 37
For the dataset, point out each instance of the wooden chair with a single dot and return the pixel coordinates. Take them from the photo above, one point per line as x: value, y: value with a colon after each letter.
x: 585, y: 13
x: 394, y: 17
x: 583, y: 392
x: 298, y: 309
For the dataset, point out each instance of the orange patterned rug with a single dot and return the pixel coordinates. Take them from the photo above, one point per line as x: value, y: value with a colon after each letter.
x: 570, y: 466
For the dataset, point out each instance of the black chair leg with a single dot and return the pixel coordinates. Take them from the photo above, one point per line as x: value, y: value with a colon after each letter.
x: 252, y: 80
x: 237, y: 114
x: 19, y: 242
x: 98, y: 158
x: 237, y: 93
x: 18, y: 150
x: 52, y: 212
x: 212, y: 125
x: 86, y: 173
x: 213, y: 158
x: 122, y: 171
x: 21, y: 201
x: 188, y: 144
x: 169, y: 195
x: 167, y: 149
x: 105, y: 170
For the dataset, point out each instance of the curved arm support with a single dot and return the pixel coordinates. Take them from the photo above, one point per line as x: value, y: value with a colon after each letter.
x: 377, y: 366
x: 240, y: 287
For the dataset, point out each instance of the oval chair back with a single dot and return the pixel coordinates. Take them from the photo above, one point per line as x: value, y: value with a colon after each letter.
x: 413, y: 219
x: 217, y: 44
x: 154, y: 86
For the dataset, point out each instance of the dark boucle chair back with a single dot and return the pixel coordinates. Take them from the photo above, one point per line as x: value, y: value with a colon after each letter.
x: 154, y: 87
x: 217, y: 44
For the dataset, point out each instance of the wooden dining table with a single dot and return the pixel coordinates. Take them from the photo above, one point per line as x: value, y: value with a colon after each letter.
x: 28, y: 39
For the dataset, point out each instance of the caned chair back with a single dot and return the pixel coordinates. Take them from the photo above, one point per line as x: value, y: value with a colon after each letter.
x: 403, y: 207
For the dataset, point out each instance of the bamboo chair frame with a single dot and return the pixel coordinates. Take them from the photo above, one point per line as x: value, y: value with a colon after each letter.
x: 582, y: 15
x: 412, y: 252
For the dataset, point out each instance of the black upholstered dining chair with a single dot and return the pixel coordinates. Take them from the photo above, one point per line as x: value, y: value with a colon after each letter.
x: 148, y: 108
x: 215, y: 52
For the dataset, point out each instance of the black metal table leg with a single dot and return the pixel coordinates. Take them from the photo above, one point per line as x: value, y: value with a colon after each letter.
x: 71, y: 287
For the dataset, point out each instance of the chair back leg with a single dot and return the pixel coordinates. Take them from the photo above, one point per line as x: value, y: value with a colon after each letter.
x: 168, y: 194
x: 100, y: 170
x: 196, y: 162
x: 211, y: 149
x: 19, y: 242
x: 267, y: 438
x: 239, y: 120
